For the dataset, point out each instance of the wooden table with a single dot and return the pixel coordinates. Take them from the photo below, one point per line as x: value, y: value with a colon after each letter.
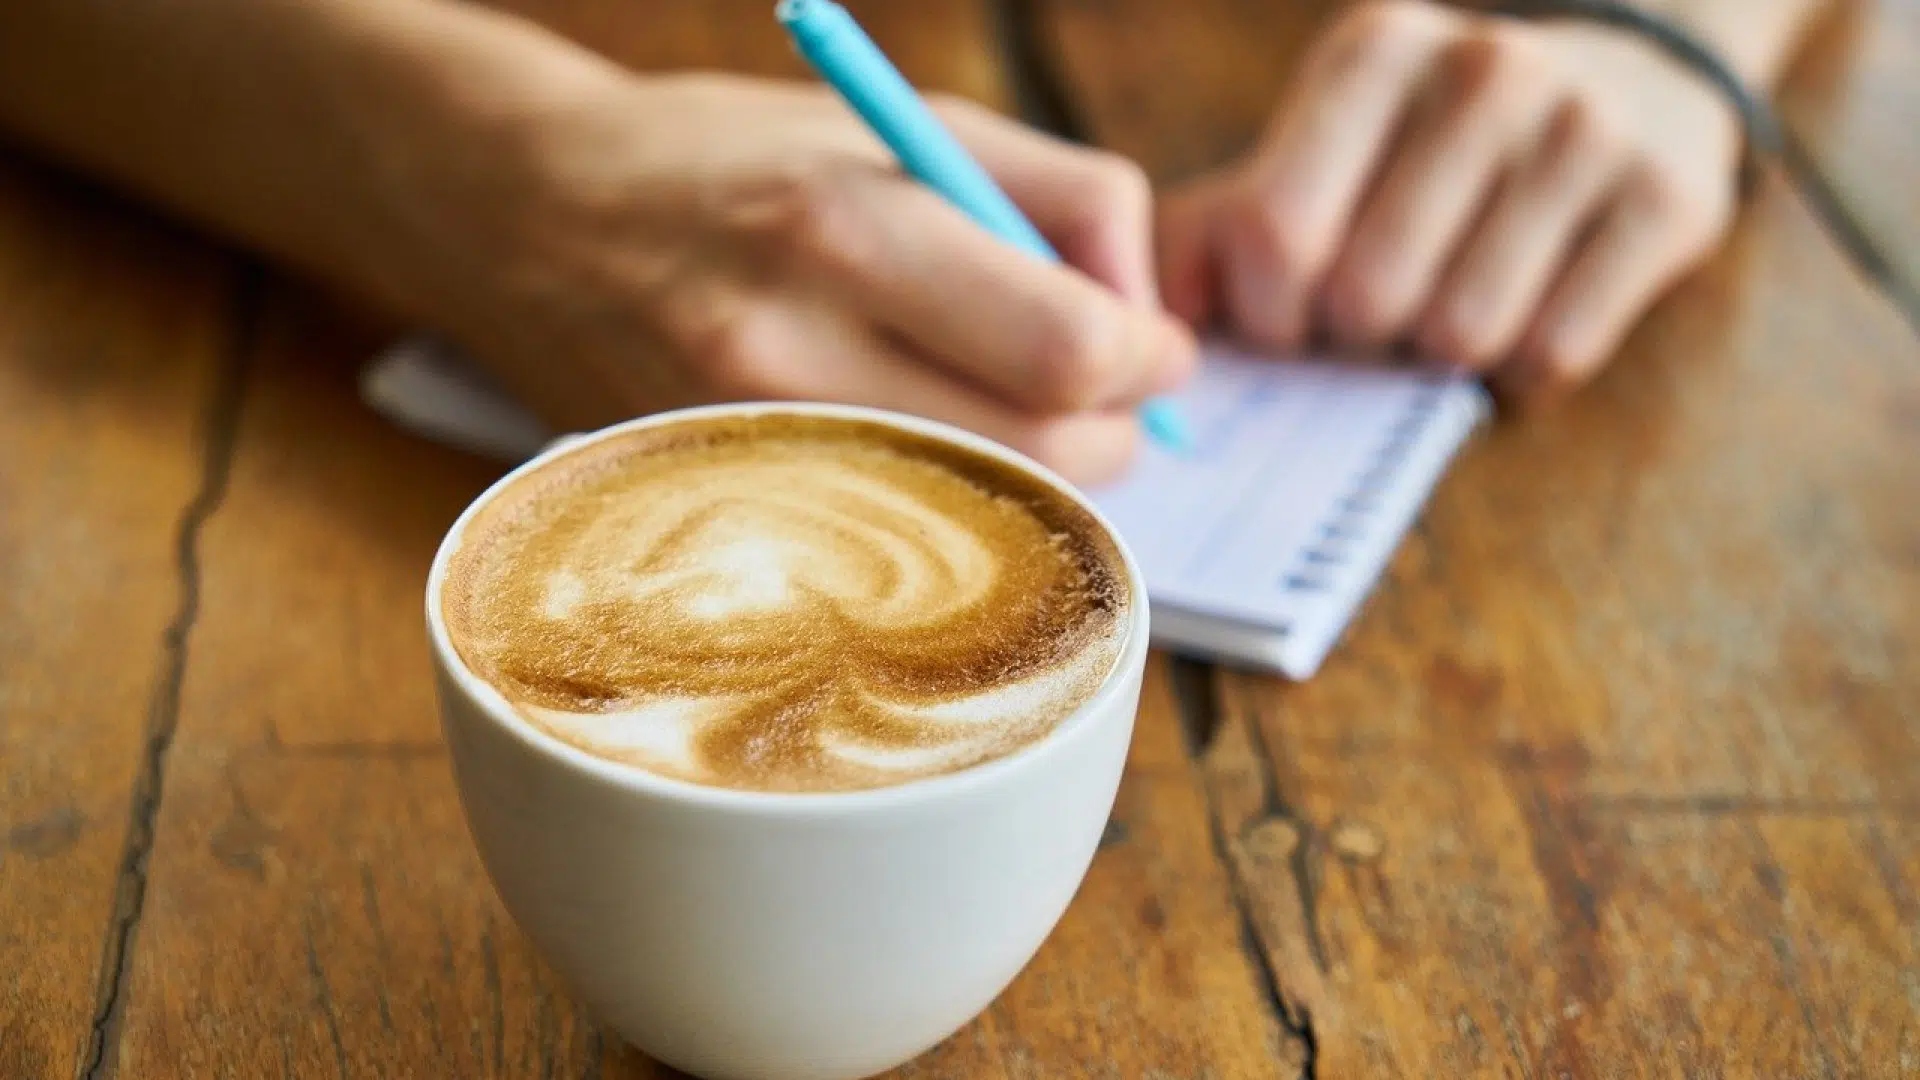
x: 1617, y: 774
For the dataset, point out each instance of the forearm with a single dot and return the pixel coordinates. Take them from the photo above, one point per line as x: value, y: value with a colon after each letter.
x: 334, y: 134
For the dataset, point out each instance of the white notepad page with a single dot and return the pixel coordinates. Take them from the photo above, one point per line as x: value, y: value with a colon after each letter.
x: 1257, y: 546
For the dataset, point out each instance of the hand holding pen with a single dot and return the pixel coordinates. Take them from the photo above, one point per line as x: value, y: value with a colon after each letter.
x: 746, y: 239
x: 830, y: 40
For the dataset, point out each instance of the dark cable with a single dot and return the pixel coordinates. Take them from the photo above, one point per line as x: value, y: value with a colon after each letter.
x: 1768, y: 138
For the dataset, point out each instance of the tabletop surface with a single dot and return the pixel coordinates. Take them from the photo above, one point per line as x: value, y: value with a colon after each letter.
x: 1618, y: 772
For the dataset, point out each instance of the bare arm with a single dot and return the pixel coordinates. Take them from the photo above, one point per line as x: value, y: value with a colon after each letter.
x: 330, y: 133
x: 610, y: 243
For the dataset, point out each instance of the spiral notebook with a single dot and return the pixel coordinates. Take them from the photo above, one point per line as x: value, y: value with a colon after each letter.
x: 1258, y: 545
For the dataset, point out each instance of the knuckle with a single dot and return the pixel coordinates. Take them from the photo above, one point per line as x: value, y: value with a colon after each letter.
x: 1121, y: 185
x: 1377, y: 21
x: 818, y: 219
x: 1269, y: 233
x: 1695, y: 211
x: 1375, y: 33
x: 1455, y: 337
x: 1516, y: 55
x: 1498, y: 61
x: 1586, y: 129
x: 1564, y: 362
x: 1046, y: 445
x: 1070, y: 360
x: 1366, y: 304
x: 741, y: 354
x: 1082, y: 453
x: 1356, y: 308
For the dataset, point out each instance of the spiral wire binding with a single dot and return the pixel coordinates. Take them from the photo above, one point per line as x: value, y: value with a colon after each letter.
x: 1330, y: 550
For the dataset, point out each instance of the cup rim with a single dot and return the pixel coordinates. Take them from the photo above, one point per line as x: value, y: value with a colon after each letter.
x: 641, y: 781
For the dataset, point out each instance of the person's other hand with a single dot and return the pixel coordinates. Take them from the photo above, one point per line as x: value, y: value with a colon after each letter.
x: 707, y: 238
x: 1502, y: 196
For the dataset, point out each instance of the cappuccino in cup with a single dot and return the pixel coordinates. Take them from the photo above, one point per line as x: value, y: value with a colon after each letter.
x: 785, y: 732
x: 787, y: 603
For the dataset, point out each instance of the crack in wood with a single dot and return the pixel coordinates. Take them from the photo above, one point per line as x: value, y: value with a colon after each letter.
x: 1516, y: 1044
x: 1043, y: 99
x: 1199, y: 712
x: 1893, y: 880
x: 221, y: 427
x: 452, y: 979
x: 1198, y: 705
x: 1570, y: 863
x: 1296, y: 1019
x: 1302, y: 864
x: 323, y: 998
x: 1039, y: 94
x: 596, y: 1048
x: 370, y: 900
x: 1772, y: 880
x: 496, y: 999
x: 546, y: 1026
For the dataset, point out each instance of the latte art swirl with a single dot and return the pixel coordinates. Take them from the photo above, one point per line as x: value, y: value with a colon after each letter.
x: 760, y: 537
x: 787, y: 602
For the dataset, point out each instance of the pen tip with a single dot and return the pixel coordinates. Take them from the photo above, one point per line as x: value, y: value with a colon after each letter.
x: 1167, y: 427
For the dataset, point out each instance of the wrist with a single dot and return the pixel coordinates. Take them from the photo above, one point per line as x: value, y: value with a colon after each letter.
x: 1754, y: 41
x: 454, y: 155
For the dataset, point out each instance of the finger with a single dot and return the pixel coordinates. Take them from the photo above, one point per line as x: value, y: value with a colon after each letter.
x: 1086, y: 448
x: 1094, y: 207
x: 1189, y: 274
x: 816, y: 352
x: 1632, y: 257
x: 1487, y: 93
x: 1038, y: 335
x: 1314, y: 165
x: 1476, y: 316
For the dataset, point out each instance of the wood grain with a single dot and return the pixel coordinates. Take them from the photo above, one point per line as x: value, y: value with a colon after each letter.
x: 312, y: 898
x: 315, y: 907
x: 1617, y: 773
x: 1145, y: 976
x: 113, y: 334
x: 1129, y: 72
x: 943, y: 45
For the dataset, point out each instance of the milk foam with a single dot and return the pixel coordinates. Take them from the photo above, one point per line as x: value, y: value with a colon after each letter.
x: 787, y: 602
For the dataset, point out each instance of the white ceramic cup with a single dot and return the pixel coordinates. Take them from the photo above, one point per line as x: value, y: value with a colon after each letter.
x: 742, y: 935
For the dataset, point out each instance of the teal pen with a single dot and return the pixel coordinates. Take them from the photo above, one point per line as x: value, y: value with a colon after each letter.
x: 833, y: 43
